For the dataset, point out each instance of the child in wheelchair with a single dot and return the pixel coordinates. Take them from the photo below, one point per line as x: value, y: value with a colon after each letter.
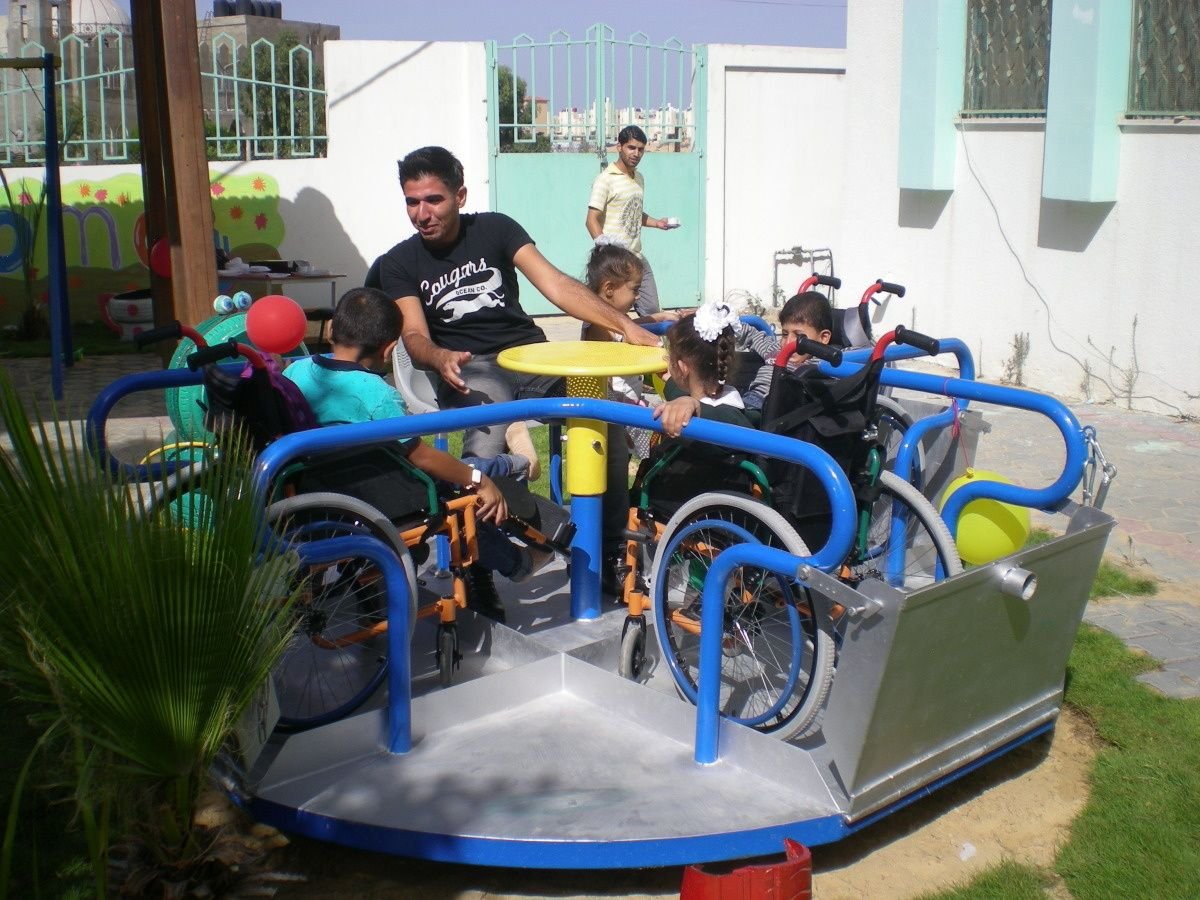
x: 788, y: 397
x: 700, y: 359
x: 807, y: 315
x: 347, y: 387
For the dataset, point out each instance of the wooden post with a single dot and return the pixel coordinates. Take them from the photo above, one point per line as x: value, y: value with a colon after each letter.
x: 174, y: 164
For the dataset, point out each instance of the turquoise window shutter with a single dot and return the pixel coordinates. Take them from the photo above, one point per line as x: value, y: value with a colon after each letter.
x: 931, y: 90
x: 1089, y: 72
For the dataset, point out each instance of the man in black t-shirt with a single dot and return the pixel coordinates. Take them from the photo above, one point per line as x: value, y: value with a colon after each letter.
x: 455, y: 282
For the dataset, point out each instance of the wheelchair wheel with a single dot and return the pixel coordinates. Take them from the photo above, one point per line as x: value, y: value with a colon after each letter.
x: 447, y: 654
x: 905, y: 552
x: 337, y: 657
x: 633, y: 650
x: 894, y: 421
x: 777, y: 644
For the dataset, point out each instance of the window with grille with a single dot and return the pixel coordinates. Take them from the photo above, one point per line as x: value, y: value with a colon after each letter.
x: 1008, y: 57
x: 1164, y: 77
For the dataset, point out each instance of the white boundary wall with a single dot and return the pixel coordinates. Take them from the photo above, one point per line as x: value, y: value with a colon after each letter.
x: 386, y: 98
x: 802, y: 150
x: 775, y: 162
x: 992, y: 258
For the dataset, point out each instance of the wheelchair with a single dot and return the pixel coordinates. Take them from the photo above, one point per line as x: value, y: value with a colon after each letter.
x: 779, y: 638
x: 337, y: 657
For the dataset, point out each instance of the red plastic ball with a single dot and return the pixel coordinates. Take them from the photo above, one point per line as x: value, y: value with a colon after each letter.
x: 160, y: 258
x: 275, y: 324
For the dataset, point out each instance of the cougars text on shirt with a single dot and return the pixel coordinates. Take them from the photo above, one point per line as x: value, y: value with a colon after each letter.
x: 466, y: 289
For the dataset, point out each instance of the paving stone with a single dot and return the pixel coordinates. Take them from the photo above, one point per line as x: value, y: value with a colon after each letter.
x: 1101, y: 618
x: 1171, y: 684
x: 1189, y: 668
x: 1162, y: 648
x: 1129, y: 631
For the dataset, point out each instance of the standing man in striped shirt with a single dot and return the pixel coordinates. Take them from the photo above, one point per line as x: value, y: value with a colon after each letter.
x: 616, y: 207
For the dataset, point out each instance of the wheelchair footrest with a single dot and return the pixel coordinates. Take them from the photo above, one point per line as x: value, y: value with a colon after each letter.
x: 532, y: 512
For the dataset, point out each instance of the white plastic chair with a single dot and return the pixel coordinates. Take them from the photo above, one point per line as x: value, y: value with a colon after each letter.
x: 416, y: 386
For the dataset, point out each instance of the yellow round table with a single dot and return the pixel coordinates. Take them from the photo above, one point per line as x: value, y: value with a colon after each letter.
x: 587, y: 366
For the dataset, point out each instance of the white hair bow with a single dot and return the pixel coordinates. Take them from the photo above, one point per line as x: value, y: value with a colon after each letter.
x: 715, y: 315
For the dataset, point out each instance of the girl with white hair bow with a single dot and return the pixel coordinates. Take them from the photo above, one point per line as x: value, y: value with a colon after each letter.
x: 701, y: 351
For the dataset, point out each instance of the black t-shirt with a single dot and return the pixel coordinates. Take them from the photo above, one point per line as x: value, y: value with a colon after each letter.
x: 469, y: 290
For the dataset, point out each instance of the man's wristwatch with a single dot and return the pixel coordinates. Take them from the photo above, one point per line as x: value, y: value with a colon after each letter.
x: 476, y: 480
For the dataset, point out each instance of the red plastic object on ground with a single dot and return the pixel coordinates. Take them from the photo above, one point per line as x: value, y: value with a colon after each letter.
x: 789, y: 879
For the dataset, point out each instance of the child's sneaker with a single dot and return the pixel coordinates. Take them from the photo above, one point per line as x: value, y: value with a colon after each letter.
x: 520, y: 442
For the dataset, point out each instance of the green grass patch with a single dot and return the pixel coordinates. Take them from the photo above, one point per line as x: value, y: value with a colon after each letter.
x: 1007, y: 881
x: 1138, y: 834
x: 90, y: 338
x: 1112, y: 579
x: 1039, y: 536
x: 541, y: 440
x: 49, y: 853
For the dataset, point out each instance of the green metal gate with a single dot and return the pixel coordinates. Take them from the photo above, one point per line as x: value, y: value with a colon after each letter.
x: 555, y: 109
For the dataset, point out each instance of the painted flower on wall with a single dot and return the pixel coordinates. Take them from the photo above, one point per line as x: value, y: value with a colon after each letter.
x: 217, y: 188
x: 236, y: 213
x: 260, y: 222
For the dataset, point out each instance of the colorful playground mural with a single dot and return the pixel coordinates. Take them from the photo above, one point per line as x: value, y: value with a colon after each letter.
x: 104, y: 233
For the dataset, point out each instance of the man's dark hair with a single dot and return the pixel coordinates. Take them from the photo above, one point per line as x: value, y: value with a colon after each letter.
x: 810, y: 308
x: 366, y: 319
x: 631, y: 133
x: 436, y: 161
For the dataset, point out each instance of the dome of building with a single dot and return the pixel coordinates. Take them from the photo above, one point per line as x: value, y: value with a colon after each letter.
x: 93, y: 16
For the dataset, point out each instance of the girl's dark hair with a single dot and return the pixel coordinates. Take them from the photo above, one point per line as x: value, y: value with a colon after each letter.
x: 712, y: 361
x: 366, y: 319
x: 612, y: 263
x: 631, y: 133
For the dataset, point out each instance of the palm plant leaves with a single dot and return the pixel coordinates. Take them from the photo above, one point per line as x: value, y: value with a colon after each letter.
x: 151, y: 635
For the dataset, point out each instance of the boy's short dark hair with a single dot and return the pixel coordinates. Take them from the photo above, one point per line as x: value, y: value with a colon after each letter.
x: 366, y: 319
x: 436, y: 161
x: 811, y: 308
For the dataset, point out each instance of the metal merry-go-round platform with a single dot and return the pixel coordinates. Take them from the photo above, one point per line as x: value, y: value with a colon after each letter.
x: 541, y: 755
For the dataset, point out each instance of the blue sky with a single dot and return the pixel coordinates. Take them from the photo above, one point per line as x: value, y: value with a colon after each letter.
x: 812, y: 23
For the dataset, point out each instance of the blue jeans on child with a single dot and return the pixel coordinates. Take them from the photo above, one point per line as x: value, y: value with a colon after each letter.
x: 496, y: 551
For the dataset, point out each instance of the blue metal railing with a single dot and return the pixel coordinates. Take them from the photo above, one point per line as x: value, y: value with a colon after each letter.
x: 273, y: 460
x: 398, y: 614
x: 712, y: 629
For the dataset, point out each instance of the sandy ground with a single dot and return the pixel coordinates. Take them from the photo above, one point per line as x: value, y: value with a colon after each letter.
x: 1019, y: 807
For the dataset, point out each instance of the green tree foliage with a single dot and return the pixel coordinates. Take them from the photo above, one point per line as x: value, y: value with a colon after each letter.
x: 517, y: 110
x: 281, y: 99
